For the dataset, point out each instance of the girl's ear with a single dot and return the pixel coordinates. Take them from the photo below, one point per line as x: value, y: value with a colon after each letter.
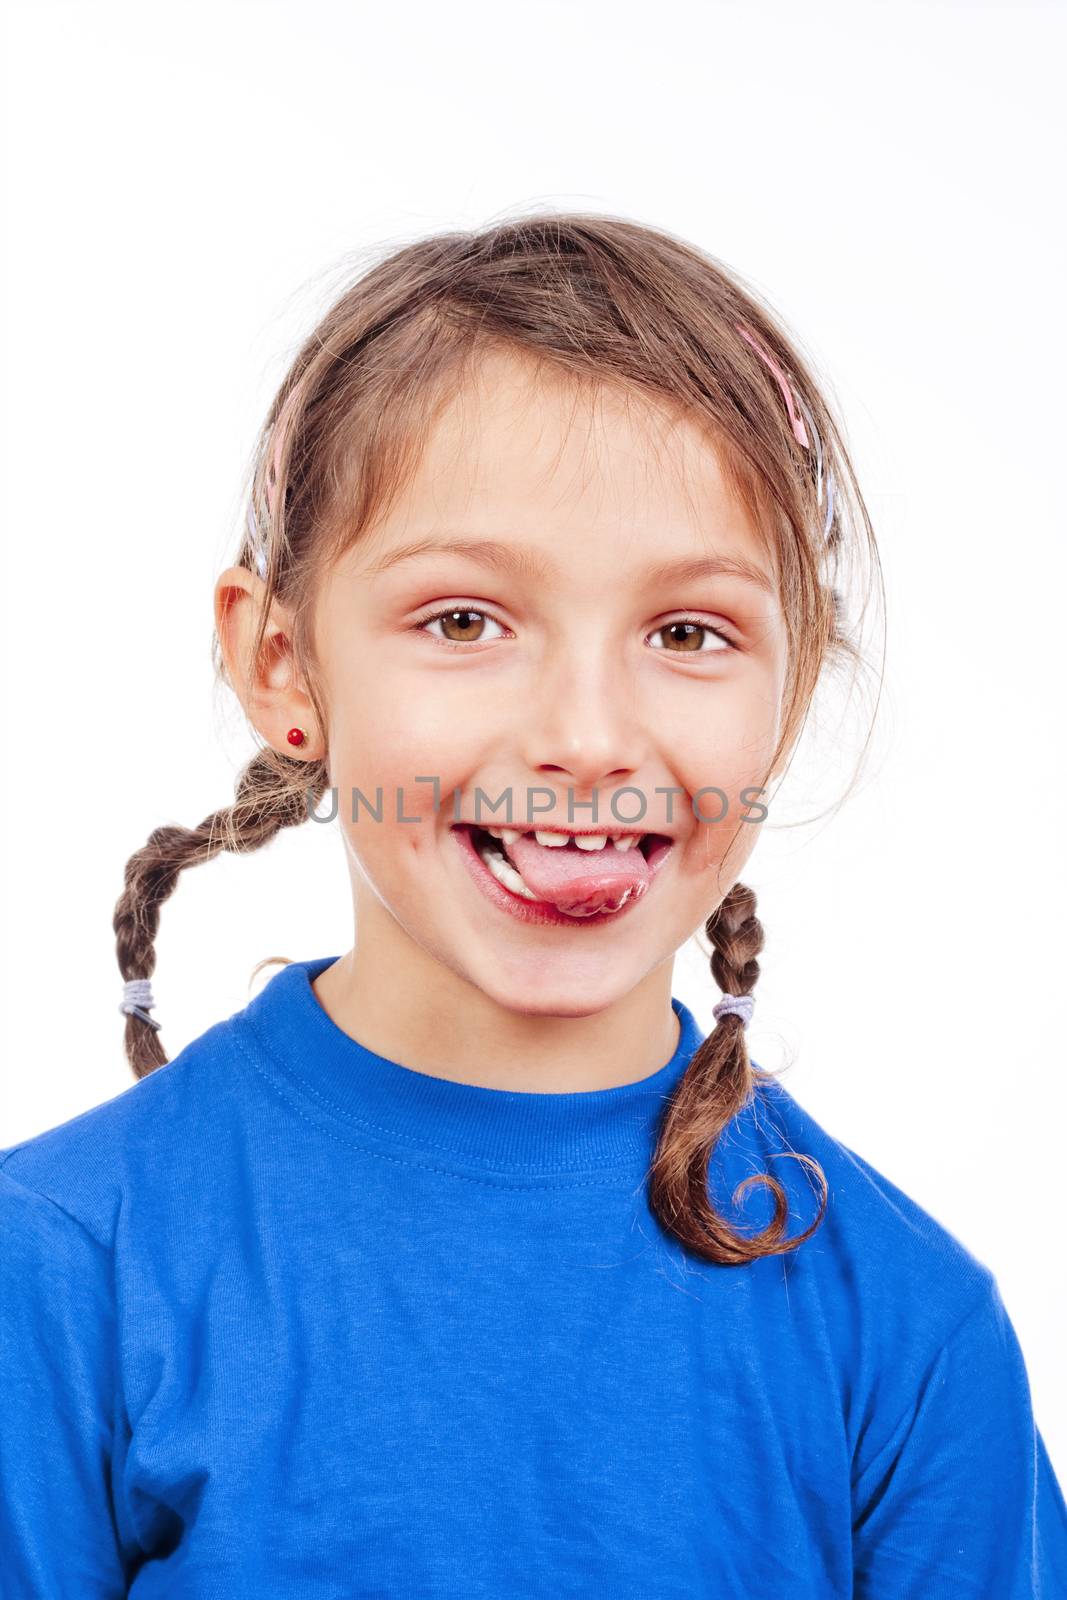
x: 269, y: 688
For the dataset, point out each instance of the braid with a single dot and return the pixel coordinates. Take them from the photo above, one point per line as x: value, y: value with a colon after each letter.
x: 272, y: 792
x: 718, y: 1083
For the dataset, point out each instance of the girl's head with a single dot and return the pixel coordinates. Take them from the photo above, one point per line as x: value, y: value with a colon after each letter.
x: 543, y: 516
x: 563, y: 518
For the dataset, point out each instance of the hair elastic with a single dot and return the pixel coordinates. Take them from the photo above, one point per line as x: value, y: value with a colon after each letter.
x: 737, y: 1005
x: 137, y: 1001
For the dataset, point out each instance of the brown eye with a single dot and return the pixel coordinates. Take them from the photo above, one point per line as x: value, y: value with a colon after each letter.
x: 688, y: 638
x: 467, y: 625
x: 459, y: 624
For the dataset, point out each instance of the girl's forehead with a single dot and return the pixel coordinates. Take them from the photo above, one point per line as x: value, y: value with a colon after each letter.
x: 537, y: 449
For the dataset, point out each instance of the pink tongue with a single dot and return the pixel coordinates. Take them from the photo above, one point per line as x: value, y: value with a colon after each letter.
x: 580, y: 882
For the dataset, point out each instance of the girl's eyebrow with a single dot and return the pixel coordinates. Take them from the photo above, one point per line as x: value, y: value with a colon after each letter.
x: 522, y: 563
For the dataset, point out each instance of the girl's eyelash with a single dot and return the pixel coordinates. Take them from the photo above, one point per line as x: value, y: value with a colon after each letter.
x: 447, y: 611
x: 697, y: 622
x: 479, y: 611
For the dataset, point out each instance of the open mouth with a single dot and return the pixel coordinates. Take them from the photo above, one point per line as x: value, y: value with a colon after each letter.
x: 584, y: 875
x: 494, y: 842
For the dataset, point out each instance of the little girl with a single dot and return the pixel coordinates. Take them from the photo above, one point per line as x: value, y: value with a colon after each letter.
x: 462, y: 1263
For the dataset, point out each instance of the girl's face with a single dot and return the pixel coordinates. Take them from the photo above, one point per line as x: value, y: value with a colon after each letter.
x: 562, y: 669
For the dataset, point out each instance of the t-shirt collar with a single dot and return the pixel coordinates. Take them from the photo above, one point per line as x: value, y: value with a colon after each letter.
x: 506, y: 1130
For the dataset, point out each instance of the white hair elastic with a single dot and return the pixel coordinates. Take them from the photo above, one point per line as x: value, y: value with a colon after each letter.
x: 137, y: 1001
x: 738, y: 1005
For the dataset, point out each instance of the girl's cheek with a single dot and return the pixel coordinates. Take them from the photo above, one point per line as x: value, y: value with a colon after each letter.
x: 731, y: 759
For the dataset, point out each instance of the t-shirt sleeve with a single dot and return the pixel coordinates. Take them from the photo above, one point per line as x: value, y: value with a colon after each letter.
x: 961, y: 1500
x: 58, y: 1404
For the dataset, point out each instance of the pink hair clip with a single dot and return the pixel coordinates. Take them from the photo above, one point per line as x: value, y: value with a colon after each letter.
x: 799, y: 431
x: 794, y: 407
x: 257, y: 545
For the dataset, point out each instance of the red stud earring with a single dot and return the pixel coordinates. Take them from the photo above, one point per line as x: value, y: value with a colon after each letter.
x: 296, y: 735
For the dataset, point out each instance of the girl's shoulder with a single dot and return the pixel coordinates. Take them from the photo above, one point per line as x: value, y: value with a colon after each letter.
x: 152, y: 1137
x: 878, y: 1251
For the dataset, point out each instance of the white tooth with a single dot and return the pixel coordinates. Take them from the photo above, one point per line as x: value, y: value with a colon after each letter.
x: 497, y: 833
x: 553, y: 839
x: 511, y: 879
x: 590, y: 841
x: 504, y: 871
x: 625, y: 841
x: 509, y: 835
x: 508, y: 876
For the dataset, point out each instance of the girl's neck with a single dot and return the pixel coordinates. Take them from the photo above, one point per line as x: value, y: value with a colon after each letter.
x: 400, y: 1003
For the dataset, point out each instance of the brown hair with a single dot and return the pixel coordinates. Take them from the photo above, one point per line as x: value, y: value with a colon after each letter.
x: 599, y: 299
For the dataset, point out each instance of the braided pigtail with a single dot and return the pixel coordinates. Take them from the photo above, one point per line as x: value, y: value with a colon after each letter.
x: 272, y: 792
x: 718, y: 1083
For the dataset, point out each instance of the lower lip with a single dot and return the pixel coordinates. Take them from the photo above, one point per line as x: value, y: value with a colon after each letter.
x: 539, y: 911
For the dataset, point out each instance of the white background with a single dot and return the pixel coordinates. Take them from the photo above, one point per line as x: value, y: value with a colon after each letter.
x: 185, y: 186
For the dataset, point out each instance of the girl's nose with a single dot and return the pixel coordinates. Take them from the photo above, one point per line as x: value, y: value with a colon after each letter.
x: 581, y: 725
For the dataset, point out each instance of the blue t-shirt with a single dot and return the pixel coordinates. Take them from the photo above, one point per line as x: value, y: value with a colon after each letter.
x: 286, y: 1318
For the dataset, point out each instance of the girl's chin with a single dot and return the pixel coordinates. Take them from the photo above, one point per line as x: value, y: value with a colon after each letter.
x: 553, y: 987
